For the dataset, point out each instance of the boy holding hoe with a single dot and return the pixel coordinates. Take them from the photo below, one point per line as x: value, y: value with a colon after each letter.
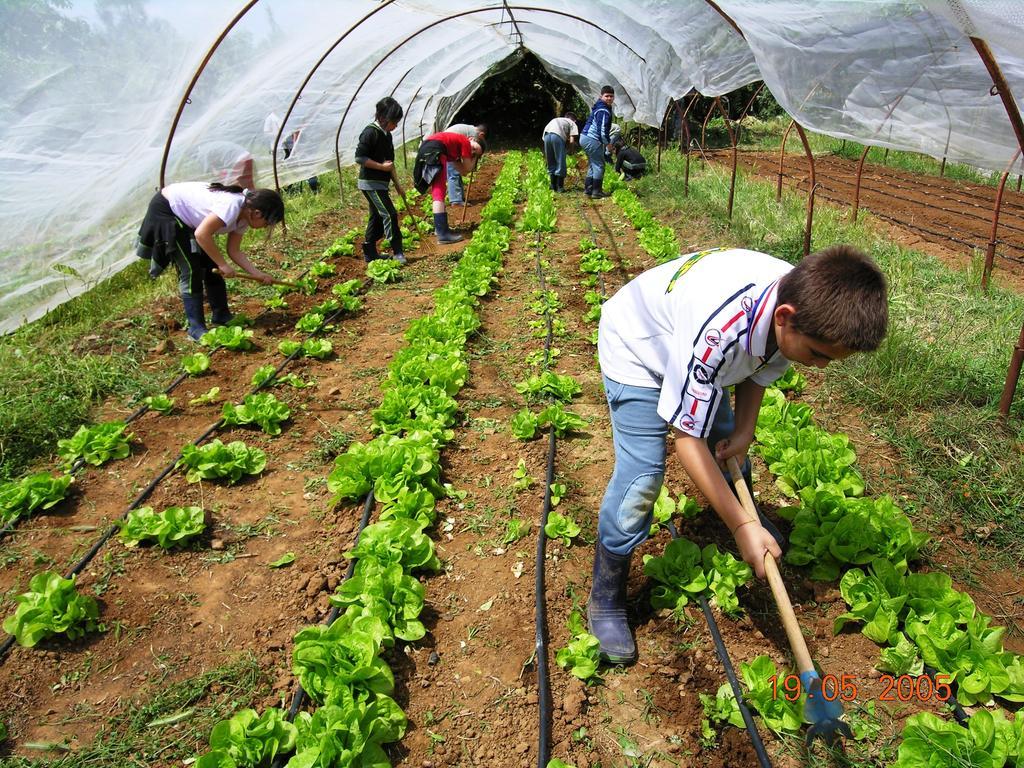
x: 670, y: 342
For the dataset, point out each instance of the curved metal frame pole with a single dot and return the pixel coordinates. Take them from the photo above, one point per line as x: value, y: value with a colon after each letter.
x: 405, y: 155
x: 431, y: 25
x: 949, y: 136
x: 733, y: 136
x: 746, y: 109
x: 813, y: 187
x: 856, y: 191
x: 405, y: 114
x: 663, y: 133
x: 704, y: 125
x: 684, y: 124
x: 1010, y: 105
x: 1012, y: 376
x: 192, y: 84
x: 305, y: 82
x: 423, y: 113
x: 727, y: 18
x: 990, y: 252
x: 782, y: 159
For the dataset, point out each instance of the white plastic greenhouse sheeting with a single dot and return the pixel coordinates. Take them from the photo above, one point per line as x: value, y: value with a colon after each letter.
x: 88, y: 92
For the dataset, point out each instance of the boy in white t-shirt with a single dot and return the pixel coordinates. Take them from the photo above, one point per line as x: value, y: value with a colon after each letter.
x: 670, y: 342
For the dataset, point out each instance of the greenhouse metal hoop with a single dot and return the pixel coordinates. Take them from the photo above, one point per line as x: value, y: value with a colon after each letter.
x: 431, y: 25
x: 1000, y: 88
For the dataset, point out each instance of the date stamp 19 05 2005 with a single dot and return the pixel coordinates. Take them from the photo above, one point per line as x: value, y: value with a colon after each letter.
x: 845, y: 688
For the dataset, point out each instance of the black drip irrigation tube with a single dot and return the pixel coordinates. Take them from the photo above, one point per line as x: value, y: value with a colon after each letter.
x: 148, y: 490
x: 540, y: 610
x: 730, y: 672
x: 80, y: 462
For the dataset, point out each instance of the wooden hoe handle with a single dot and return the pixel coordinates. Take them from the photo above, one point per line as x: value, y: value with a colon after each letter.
x: 771, y: 569
x: 246, y: 276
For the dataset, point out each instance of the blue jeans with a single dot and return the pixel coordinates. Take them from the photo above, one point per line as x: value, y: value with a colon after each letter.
x: 454, y: 185
x: 554, y: 153
x: 638, y: 434
x: 595, y: 154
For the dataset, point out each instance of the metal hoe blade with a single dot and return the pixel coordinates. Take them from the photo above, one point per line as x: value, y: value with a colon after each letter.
x: 824, y: 713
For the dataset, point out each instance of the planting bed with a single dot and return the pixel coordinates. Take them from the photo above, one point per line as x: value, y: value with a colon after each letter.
x: 952, y: 217
x: 469, y: 687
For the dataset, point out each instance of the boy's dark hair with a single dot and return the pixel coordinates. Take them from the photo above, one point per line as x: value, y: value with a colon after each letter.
x: 388, y: 110
x: 607, y: 89
x: 483, y: 145
x: 840, y: 297
x: 570, y: 115
x: 481, y: 129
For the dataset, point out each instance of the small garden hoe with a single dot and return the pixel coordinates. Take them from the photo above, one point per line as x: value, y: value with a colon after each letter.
x: 465, y: 199
x: 823, y: 709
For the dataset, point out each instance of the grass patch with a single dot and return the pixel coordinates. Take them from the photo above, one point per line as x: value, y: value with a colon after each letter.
x: 56, y: 370
x: 933, y: 388
x: 130, y: 739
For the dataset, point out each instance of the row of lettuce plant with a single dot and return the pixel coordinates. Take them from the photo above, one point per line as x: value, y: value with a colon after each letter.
x: 919, y: 619
x: 340, y: 666
x: 96, y: 444
x: 658, y: 240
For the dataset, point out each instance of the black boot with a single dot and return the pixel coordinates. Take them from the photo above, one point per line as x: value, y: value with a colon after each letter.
x: 560, y: 183
x: 598, y: 191
x: 553, y: 180
x: 194, y: 314
x: 370, y: 252
x: 444, y: 235
x: 588, y: 186
x: 606, y: 609
x: 217, y: 295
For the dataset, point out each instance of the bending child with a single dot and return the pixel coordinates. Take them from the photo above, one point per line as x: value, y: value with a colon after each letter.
x: 433, y: 157
x: 670, y: 342
x: 179, y: 227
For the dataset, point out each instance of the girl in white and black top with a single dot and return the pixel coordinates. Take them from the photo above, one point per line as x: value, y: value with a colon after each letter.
x: 179, y: 227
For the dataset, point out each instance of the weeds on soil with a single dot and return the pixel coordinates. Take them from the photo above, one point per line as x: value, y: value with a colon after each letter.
x: 189, y: 709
